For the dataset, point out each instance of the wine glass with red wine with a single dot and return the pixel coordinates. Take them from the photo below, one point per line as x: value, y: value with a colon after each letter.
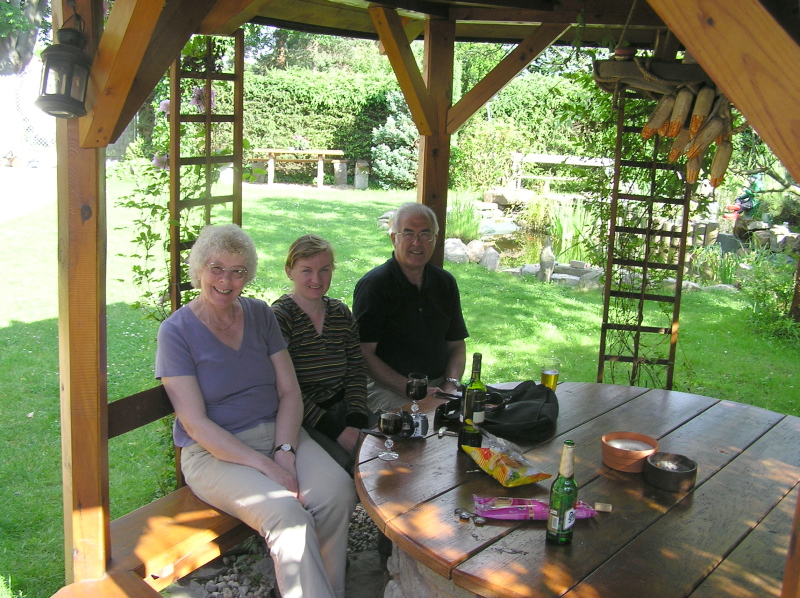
x: 390, y: 424
x: 416, y: 389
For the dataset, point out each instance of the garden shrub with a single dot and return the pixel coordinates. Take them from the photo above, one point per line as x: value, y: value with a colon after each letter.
x: 768, y: 282
x: 481, y: 155
x: 394, y: 151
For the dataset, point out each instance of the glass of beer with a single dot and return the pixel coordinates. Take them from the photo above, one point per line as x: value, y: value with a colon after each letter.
x: 550, y: 369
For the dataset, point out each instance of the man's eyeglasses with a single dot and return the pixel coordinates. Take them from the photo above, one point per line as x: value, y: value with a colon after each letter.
x: 424, y: 237
x: 235, y: 273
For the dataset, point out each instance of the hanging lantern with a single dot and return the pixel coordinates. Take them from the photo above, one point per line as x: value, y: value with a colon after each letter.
x: 65, y: 73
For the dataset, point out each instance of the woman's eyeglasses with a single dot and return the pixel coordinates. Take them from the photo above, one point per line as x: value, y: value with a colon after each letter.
x: 234, y: 273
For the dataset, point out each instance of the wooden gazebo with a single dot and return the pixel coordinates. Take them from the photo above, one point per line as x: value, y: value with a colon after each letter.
x: 748, y: 47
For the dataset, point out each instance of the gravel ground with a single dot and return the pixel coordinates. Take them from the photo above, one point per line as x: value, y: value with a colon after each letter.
x: 247, y: 572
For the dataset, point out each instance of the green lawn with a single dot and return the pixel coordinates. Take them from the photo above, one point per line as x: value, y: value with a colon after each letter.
x: 512, y: 321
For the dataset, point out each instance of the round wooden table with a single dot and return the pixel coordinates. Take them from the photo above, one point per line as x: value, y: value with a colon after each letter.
x: 728, y: 536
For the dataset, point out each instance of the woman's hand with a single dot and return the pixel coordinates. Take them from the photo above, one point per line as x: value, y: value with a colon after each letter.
x: 286, y: 472
x: 349, y: 438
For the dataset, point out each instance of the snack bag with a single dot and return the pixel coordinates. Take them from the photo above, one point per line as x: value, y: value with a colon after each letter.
x: 504, y: 461
x: 523, y: 508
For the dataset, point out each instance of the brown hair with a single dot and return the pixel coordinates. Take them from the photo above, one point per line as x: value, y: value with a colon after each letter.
x: 305, y: 247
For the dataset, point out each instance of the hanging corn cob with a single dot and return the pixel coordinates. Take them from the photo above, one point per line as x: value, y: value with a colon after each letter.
x: 659, y: 116
x: 702, y: 106
x: 705, y: 136
x: 680, y: 110
x: 679, y: 145
x: 693, y: 167
x: 720, y: 162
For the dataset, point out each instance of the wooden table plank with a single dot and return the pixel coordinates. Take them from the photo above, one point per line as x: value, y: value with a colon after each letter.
x: 755, y: 568
x: 747, y: 464
x: 719, y: 433
x: 433, y: 536
x: 673, y: 556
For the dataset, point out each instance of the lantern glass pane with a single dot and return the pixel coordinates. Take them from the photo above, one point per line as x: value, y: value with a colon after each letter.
x: 79, y: 77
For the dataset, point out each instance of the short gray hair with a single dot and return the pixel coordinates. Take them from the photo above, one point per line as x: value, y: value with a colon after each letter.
x: 219, y: 239
x: 410, y: 209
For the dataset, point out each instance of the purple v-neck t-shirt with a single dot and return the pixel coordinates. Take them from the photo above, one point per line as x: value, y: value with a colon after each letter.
x: 238, y: 386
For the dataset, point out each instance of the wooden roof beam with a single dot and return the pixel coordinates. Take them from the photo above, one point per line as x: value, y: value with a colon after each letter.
x: 121, y: 48
x: 753, y: 61
x: 393, y: 38
x: 593, y: 12
x: 229, y: 15
x: 508, y: 68
x: 177, y: 22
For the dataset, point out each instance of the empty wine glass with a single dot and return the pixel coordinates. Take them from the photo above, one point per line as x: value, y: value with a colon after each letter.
x: 416, y: 389
x: 390, y: 424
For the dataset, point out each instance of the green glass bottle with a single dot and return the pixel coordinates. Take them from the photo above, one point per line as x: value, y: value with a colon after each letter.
x: 563, y: 494
x: 474, y: 396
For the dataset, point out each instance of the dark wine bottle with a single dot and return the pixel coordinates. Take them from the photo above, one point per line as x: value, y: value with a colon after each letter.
x: 563, y: 494
x: 472, y: 406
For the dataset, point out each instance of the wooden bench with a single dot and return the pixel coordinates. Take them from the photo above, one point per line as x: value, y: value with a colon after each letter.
x: 271, y: 156
x: 163, y: 541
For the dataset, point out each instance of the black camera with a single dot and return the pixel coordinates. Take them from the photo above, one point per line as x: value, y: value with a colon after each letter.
x: 414, y: 425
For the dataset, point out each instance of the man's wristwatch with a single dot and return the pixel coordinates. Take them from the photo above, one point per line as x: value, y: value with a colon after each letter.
x: 287, y: 448
x: 454, y: 381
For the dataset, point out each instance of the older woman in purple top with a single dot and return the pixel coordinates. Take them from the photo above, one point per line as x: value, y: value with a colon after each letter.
x: 225, y: 366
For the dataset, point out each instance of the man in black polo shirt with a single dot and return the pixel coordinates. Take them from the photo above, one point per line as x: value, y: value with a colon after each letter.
x: 409, y: 314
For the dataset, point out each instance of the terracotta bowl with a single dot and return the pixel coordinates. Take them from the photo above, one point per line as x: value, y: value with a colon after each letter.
x: 627, y: 451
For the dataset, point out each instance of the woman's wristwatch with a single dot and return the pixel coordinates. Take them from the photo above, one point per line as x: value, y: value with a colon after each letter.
x: 287, y: 448
x: 453, y: 381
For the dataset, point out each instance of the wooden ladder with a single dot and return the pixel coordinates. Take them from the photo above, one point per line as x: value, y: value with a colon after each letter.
x: 638, y: 340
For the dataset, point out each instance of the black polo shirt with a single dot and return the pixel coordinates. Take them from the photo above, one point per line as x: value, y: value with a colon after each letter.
x: 411, y: 326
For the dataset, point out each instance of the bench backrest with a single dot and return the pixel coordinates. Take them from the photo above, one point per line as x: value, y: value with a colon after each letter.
x: 140, y: 409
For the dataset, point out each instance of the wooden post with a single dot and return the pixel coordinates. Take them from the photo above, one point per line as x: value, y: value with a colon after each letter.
x: 791, y: 573
x: 434, y: 149
x: 271, y: 169
x: 82, y: 338
x: 320, y: 170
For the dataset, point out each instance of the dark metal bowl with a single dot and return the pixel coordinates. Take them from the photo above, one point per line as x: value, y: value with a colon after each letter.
x: 671, y: 472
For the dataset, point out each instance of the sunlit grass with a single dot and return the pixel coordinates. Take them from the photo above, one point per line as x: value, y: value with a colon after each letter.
x: 513, y: 321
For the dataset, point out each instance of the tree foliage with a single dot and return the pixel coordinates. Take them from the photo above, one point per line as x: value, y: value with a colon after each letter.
x: 20, y: 23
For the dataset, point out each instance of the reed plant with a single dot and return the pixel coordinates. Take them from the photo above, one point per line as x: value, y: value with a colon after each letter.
x: 567, y: 227
x: 709, y: 265
x: 463, y: 220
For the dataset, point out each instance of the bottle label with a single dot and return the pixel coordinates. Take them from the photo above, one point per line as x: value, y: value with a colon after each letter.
x: 478, y: 417
x: 553, y: 521
x: 569, y: 519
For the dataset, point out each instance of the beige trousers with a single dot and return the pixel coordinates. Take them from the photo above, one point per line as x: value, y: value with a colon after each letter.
x: 308, y: 543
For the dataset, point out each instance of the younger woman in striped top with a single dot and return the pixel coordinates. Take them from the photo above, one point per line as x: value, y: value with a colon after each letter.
x: 325, y: 348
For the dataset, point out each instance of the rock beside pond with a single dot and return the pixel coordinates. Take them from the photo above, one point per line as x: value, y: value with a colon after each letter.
x: 476, y: 249
x: 490, y: 260
x: 455, y: 251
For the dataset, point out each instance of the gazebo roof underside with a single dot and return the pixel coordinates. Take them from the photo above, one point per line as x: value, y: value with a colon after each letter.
x: 493, y: 21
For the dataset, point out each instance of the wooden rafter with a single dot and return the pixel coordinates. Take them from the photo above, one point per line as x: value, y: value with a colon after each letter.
x: 398, y: 50
x: 177, y: 22
x: 508, y: 68
x: 229, y: 15
x: 592, y: 12
x: 122, y: 46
